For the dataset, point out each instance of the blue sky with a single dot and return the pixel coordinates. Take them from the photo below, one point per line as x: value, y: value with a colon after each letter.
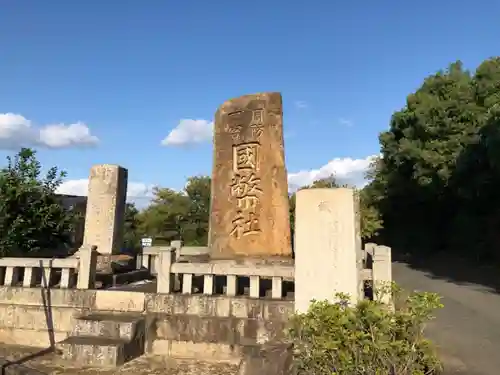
x: 88, y: 82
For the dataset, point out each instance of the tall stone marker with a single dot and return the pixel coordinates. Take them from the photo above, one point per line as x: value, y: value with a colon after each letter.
x: 249, y: 207
x: 104, y: 221
x: 326, y: 246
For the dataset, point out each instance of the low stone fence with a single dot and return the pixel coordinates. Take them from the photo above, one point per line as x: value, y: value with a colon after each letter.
x: 174, y: 276
x: 232, y: 273
x: 73, y: 272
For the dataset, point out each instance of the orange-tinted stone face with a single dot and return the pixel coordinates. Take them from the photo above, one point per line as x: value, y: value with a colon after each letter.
x: 249, y: 210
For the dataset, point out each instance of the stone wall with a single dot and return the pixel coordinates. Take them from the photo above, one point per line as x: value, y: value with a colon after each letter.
x: 176, y: 324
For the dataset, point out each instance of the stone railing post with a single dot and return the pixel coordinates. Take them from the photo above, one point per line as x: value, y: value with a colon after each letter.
x: 165, y: 279
x: 325, y: 246
x: 177, y: 245
x: 87, y: 267
x: 382, y: 273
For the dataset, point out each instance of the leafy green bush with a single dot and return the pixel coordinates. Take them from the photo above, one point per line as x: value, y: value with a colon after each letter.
x: 370, y: 338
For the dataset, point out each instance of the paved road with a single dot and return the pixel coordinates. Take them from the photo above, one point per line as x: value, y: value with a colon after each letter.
x: 467, y: 329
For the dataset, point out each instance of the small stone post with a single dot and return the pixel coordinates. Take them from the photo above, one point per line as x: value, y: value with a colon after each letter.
x: 382, y: 273
x: 177, y: 245
x: 87, y: 267
x: 326, y: 255
x: 165, y: 279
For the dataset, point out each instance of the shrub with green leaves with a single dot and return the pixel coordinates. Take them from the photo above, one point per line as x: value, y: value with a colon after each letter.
x: 370, y: 338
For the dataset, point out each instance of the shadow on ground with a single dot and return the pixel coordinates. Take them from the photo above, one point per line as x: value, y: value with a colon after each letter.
x: 456, y: 269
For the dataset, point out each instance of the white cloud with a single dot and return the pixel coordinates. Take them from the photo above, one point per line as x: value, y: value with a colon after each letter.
x: 17, y: 131
x: 189, y: 131
x: 346, y: 122
x: 300, y: 104
x: 137, y: 192
x: 60, y: 135
x: 346, y: 170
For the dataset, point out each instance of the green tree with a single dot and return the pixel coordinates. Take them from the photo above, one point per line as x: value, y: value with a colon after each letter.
x: 180, y: 214
x: 32, y: 220
x: 435, y: 185
x: 132, y: 234
x: 198, y: 191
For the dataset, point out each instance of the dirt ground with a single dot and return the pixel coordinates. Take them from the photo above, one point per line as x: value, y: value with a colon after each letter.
x: 145, y: 365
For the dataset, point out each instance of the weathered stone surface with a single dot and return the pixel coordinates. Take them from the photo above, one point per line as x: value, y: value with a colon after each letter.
x: 218, y: 330
x: 106, y: 208
x: 52, y: 363
x: 326, y: 254
x: 97, y: 351
x: 51, y: 298
x: 121, y: 326
x: 119, y: 301
x: 271, y: 359
x: 104, y: 339
x: 249, y: 210
x: 219, y: 306
x: 216, y: 352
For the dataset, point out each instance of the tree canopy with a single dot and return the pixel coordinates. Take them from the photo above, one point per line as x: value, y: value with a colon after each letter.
x: 179, y: 214
x: 435, y: 184
x: 32, y: 219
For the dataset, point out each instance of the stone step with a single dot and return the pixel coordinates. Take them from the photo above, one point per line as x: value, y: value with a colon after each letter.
x: 238, y: 331
x: 99, y: 351
x: 109, y: 325
x: 188, y: 350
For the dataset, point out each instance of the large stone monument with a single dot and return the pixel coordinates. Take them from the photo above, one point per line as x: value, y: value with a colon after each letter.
x: 249, y: 207
x: 105, y: 214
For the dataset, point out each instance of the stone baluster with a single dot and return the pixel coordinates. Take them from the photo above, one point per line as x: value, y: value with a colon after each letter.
x: 29, y: 278
x: 11, y: 275
x: 67, y: 277
x: 277, y: 288
x: 187, y: 283
x: 208, y: 284
x: 254, y: 286
x: 231, y: 285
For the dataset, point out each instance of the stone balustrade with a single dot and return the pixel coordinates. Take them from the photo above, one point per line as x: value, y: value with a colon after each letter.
x: 148, y: 258
x: 231, y: 272
x: 376, y: 261
x: 71, y: 272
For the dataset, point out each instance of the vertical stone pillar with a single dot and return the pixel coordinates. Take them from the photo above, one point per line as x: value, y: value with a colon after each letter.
x: 249, y: 206
x: 382, y: 273
x: 326, y: 243
x: 165, y: 279
x: 87, y: 267
x: 105, y: 214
